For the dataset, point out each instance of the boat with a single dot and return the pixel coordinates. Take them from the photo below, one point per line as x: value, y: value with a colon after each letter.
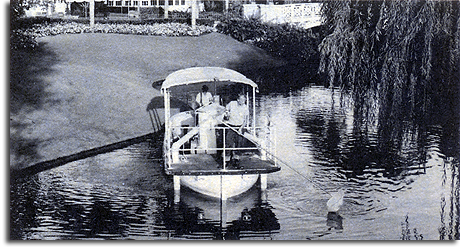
x: 194, y: 145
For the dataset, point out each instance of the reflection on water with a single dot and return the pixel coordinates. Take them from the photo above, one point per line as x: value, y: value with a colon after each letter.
x: 389, y: 168
x: 197, y: 217
x: 401, y: 180
x: 125, y: 195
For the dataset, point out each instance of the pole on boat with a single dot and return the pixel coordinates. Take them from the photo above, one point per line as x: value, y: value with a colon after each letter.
x: 333, y: 204
x: 223, y: 190
x: 263, y: 182
x: 223, y: 216
x: 223, y: 204
x: 176, y: 180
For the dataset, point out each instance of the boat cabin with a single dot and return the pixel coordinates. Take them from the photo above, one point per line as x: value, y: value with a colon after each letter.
x: 196, y: 139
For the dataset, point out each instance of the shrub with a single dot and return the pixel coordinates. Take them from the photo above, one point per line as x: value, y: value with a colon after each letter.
x: 151, y: 12
x: 156, y: 29
x: 284, y: 40
x: 19, y: 40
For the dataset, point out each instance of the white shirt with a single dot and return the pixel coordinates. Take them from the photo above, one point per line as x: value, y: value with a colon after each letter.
x: 204, y: 99
x: 236, y: 113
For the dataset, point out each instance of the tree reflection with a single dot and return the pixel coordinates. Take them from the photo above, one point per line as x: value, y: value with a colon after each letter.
x: 388, y: 149
x: 450, y: 201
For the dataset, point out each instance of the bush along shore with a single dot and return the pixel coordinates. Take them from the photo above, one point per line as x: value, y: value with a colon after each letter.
x: 296, y: 45
x: 281, y: 40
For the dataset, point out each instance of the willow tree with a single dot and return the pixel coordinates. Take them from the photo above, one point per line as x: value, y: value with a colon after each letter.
x: 396, y: 52
x: 398, y: 59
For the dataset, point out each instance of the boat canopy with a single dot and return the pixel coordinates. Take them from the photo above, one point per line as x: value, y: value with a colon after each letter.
x: 199, y: 75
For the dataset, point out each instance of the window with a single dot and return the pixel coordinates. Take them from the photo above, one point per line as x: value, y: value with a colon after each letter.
x: 118, y: 3
x: 170, y: 2
x: 162, y: 2
x: 127, y: 3
x: 153, y: 2
x: 136, y: 3
x: 110, y: 3
x: 183, y: 2
x: 145, y: 3
x: 177, y: 2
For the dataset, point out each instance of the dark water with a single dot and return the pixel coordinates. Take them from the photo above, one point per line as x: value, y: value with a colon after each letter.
x: 408, y: 191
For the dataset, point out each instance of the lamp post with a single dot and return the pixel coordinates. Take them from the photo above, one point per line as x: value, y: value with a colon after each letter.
x: 194, y: 14
x: 91, y: 13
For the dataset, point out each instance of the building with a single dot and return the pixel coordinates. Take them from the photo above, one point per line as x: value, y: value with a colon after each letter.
x: 303, y: 14
x: 62, y: 7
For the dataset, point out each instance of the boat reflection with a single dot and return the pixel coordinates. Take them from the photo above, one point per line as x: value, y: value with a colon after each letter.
x: 198, y: 217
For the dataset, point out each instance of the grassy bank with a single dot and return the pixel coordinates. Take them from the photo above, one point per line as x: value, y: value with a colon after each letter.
x: 74, y: 87
x: 297, y: 46
x: 81, y: 91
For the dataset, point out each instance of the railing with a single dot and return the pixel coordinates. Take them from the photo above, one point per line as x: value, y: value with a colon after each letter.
x: 189, y: 143
x: 306, y: 15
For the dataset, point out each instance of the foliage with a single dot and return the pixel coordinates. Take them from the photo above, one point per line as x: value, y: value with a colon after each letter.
x: 19, y: 40
x: 17, y: 9
x: 213, y: 6
x: 400, y: 61
x: 287, y: 41
x: 23, y: 31
x: 407, y: 233
x: 151, y: 12
x: 392, y: 50
x: 167, y: 29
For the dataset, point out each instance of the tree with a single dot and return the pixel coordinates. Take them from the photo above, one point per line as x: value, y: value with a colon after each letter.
x: 85, y: 6
x: 17, y: 9
x: 399, y: 60
x: 392, y: 51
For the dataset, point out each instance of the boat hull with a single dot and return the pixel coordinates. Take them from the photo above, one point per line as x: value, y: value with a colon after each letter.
x: 220, y: 186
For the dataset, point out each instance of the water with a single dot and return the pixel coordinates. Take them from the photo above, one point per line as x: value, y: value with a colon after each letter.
x: 405, y: 192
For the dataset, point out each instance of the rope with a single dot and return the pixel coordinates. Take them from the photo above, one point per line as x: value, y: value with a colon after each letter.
x: 280, y: 160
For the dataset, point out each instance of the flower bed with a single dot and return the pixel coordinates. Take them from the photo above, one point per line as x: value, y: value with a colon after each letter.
x: 156, y: 29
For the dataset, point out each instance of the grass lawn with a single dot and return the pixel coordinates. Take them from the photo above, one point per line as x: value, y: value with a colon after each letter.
x: 83, y: 91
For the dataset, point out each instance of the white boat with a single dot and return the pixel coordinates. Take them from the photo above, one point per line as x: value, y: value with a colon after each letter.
x: 195, y: 139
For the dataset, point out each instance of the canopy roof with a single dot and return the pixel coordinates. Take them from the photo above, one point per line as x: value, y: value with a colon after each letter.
x: 199, y: 75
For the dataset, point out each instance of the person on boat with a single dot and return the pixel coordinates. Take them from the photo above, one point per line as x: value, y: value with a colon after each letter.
x: 237, y: 114
x: 204, y: 98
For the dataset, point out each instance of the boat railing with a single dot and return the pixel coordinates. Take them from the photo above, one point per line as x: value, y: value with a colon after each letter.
x: 211, y: 140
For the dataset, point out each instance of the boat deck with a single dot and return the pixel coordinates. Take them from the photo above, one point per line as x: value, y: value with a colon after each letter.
x: 204, y: 164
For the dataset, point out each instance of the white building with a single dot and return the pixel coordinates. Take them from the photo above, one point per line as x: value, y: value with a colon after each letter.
x: 173, y: 5
x: 306, y: 15
x: 62, y: 7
